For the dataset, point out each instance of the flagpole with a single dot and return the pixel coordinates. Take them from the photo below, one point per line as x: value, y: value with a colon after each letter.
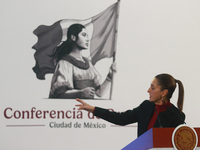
x: 115, y: 46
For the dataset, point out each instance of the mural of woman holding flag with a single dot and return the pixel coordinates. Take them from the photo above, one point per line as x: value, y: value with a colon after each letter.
x: 59, y: 51
x: 75, y: 76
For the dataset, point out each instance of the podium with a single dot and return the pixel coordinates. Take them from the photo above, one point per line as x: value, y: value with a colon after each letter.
x: 157, y: 139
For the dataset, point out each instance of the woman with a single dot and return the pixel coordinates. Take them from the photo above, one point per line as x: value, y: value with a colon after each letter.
x: 75, y: 76
x: 157, y: 112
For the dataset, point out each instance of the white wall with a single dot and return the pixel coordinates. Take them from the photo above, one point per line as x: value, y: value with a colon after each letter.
x: 154, y: 37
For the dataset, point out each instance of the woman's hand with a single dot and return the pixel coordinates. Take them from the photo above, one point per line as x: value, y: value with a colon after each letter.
x: 88, y: 92
x: 84, y: 106
x: 112, y: 71
x: 113, y: 68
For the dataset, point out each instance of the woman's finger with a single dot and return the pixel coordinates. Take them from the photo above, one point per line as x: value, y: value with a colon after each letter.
x: 92, y: 89
x: 79, y: 105
x: 79, y: 100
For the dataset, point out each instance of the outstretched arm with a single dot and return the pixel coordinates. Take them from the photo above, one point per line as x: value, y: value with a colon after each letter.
x: 124, y: 118
x: 84, y: 106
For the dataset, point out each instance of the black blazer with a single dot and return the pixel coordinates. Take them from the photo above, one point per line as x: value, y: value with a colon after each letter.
x: 142, y: 114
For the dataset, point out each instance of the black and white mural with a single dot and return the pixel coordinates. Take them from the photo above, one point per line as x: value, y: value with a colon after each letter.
x: 104, y: 52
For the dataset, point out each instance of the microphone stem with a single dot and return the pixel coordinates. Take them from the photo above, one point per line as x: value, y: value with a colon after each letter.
x: 158, y: 118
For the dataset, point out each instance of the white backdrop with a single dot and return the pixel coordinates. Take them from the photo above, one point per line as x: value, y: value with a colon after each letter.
x: 154, y: 37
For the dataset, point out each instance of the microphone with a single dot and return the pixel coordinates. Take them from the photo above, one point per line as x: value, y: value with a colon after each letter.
x: 158, y: 117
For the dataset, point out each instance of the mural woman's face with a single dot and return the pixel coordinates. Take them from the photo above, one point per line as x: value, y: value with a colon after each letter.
x: 83, y: 39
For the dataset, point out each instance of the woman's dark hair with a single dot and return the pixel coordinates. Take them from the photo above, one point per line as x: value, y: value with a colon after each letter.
x: 66, y: 47
x: 166, y: 81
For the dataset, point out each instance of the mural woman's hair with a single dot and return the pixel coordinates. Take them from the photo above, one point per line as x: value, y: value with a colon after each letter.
x: 66, y: 47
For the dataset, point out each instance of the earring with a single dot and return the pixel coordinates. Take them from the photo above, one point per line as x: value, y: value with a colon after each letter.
x: 162, y: 99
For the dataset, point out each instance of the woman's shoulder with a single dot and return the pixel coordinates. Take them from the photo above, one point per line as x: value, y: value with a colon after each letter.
x: 174, y: 110
x: 75, y: 62
x: 64, y: 66
x: 63, y: 62
x: 147, y: 102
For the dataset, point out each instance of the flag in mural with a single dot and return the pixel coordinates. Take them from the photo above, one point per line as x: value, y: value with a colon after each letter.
x: 101, y: 29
